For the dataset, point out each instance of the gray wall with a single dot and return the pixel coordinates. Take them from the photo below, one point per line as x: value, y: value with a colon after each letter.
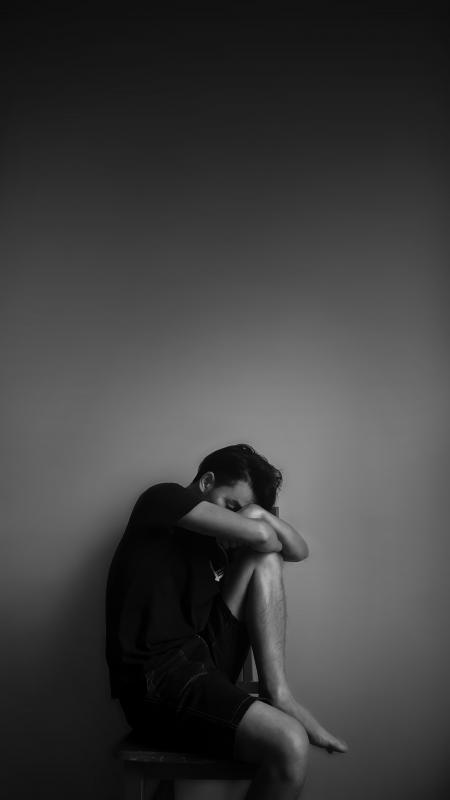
x: 216, y: 233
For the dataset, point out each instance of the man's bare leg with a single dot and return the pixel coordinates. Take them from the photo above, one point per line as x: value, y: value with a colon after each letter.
x: 254, y: 591
x: 278, y: 744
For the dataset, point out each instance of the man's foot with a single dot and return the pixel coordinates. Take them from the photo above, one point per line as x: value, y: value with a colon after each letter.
x: 317, y: 734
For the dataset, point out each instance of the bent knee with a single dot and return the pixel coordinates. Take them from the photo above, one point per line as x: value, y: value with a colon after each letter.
x: 292, y: 753
x: 267, y: 736
x: 269, y: 561
x: 273, y: 560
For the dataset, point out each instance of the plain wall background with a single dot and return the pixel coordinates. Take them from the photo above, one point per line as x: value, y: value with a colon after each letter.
x: 212, y: 232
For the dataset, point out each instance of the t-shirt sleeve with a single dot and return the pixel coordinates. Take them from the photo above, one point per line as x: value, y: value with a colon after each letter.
x: 164, y: 504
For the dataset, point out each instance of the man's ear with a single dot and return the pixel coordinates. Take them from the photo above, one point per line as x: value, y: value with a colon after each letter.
x: 207, y: 482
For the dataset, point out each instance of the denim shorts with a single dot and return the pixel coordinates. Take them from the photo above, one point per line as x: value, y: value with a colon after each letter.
x: 190, y: 701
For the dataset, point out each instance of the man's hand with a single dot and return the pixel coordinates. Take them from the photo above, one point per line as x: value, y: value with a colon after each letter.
x: 291, y: 544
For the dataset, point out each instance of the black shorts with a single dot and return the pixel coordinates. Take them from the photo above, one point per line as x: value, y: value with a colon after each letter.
x: 190, y: 701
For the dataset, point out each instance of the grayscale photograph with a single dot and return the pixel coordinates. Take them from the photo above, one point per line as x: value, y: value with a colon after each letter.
x: 224, y: 239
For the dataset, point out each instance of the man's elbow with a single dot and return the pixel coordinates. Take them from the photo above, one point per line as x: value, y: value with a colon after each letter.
x: 299, y: 553
x: 304, y: 552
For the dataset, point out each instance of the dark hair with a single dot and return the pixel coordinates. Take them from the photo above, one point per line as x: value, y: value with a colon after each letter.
x: 240, y: 462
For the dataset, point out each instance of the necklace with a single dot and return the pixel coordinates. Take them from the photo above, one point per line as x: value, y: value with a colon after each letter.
x: 218, y: 574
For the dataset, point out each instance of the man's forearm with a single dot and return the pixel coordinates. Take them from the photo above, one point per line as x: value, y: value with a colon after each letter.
x: 294, y: 547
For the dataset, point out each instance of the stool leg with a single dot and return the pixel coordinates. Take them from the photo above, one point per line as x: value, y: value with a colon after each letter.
x: 135, y: 785
x: 133, y: 782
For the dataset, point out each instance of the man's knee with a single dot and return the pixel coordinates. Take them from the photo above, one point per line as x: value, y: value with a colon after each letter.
x: 268, y: 736
x: 292, y: 754
x: 268, y: 561
x: 288, y: 755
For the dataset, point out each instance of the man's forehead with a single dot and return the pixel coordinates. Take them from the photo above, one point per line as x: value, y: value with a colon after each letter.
x: 242, y: 492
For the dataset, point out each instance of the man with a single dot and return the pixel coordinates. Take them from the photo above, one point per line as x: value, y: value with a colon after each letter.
x: 196, y: 579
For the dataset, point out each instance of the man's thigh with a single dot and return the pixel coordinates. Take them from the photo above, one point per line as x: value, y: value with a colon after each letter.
x: 189, y: 704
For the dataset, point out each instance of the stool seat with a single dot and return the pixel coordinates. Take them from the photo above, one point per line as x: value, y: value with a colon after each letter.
x: 157, y: 763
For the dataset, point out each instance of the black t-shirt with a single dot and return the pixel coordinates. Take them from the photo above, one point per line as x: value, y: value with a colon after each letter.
x: 161, y: 583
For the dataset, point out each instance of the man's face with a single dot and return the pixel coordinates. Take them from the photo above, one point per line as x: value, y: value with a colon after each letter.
x: 233, y: 497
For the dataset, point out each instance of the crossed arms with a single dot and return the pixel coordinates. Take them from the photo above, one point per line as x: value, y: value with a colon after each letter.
x: 252, y: 526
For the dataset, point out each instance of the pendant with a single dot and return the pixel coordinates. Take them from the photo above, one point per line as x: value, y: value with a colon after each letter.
x: 218, y: 574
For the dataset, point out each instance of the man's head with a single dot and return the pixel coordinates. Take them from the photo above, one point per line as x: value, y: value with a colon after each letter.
x: 237, y: 475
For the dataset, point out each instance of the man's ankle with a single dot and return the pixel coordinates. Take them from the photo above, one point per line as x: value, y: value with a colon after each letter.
x: 278, y: 696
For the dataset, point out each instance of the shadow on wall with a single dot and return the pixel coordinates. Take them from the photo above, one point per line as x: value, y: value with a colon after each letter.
x: 62, y: 742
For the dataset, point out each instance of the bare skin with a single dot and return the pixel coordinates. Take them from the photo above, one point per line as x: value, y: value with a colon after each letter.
x: 254, y: 592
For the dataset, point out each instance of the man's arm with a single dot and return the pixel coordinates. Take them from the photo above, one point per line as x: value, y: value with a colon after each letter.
x: 214, y: 520
x: 294, y: 547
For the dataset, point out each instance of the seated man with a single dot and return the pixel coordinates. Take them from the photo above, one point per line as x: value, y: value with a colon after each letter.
x: 196, y: 579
